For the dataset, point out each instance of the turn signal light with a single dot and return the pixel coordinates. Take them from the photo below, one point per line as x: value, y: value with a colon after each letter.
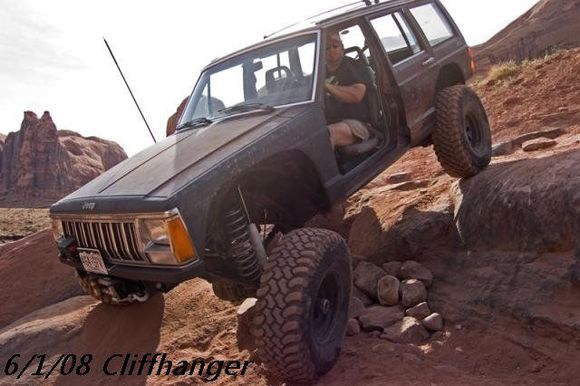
x: 181, y: 244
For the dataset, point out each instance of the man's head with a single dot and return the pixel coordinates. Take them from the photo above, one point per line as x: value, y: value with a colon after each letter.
x: 334, y: 49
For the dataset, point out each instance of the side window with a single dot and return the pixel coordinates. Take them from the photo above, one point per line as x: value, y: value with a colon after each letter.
x: 352, y: 37
x: 396, y: 37
x: 432, y: 23
x: 306, y: 54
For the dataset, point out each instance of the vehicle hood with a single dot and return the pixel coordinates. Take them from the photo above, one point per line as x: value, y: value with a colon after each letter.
x: 167, y: 166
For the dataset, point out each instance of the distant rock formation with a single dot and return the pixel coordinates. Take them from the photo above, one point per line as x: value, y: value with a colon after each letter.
x: 172, y: 121
x: 202, y: 109
x: 40, y: 164
x: 548, y: 26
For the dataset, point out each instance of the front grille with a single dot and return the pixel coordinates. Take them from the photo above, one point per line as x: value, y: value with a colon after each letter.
x: 115, y: 240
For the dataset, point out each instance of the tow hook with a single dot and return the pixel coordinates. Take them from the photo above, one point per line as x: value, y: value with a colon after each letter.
x: 109, y: 287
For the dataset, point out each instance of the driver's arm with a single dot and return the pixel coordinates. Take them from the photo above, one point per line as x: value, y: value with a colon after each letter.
x: 347, y: 94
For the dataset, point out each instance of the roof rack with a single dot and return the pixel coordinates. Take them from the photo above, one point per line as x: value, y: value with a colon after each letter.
x: 366, y: 2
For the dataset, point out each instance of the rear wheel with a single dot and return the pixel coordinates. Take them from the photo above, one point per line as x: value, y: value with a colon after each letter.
x: 462, y: 138
x: 302, y: 306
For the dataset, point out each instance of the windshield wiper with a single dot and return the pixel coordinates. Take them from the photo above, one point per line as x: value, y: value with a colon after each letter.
x: 194, y: 123
x: 243, y: 107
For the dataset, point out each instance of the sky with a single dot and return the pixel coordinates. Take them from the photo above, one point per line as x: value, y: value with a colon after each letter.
x: 52, y: 55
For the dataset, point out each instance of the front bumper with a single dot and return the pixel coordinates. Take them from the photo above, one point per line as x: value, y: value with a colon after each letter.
x: 147, y: 273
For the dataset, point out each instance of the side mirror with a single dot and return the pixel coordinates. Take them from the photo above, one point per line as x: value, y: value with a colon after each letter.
x: 257, y: 66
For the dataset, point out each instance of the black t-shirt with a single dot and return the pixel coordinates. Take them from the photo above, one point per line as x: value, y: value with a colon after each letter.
x: 347, y: 74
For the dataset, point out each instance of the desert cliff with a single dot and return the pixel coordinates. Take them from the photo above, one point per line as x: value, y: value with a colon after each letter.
x: 548, y: 26
x: 40, y: 164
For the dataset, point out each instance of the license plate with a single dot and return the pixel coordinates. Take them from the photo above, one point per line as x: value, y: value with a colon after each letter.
x: 92, y: 261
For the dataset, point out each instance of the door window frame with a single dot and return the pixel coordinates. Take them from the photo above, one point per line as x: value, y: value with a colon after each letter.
x: 423, y: 48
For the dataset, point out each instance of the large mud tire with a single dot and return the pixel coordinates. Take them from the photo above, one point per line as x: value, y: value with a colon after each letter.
x: 302, y: 306
x: 462, y: 138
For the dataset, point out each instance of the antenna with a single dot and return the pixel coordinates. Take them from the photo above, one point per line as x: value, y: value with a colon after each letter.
x: 129, y: 88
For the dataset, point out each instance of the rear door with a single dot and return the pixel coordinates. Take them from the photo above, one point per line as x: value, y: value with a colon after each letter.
x: 414, y: 68
x: 436, y: 30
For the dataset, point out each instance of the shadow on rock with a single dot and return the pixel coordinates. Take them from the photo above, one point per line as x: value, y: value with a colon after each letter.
x: 115, y: 336
x: 81, y: 327
x: 407, y: 233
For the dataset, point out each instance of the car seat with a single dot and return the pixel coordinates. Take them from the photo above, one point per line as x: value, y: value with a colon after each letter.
x: 373, y: 106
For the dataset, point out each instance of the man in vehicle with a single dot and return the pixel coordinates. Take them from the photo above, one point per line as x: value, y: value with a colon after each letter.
x: 346, y: 108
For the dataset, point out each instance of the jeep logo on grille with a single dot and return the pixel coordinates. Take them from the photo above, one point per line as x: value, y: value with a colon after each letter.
x: 88, y: 206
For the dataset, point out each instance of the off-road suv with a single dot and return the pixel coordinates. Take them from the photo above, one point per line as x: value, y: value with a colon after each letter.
x: 251, y: 161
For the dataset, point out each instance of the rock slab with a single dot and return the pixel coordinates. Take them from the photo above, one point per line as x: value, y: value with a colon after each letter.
x: 408, y: 330
x: 379, y: 317
x: 538, y: 144
x: 420, y: 311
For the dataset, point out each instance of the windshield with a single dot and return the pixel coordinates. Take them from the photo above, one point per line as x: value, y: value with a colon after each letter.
x: 279, y: 74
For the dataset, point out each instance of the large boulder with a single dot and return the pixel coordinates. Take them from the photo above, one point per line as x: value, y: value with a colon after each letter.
x: 32, y: 277
x: 525, y: 205
x: 400, y: 225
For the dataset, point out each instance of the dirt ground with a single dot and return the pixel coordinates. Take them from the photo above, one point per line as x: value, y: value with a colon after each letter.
x: 16, y: 223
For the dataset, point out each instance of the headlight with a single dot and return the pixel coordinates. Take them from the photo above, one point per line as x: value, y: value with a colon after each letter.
x: 167, y: 241
x: 156, y: 232
x: 57, y: 230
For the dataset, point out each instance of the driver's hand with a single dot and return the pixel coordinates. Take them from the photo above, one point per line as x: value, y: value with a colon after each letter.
x: 329, y: 80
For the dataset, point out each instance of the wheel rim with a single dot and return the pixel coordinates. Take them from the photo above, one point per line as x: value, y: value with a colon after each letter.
x: 325, y: 307
x: 472, y: 130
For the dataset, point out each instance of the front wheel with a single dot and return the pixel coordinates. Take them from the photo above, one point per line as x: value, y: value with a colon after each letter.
x: 302, y: 306
x: 461, y: 138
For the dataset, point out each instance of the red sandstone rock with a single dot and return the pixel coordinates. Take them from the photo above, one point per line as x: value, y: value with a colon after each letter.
x: 39, y: 164
x: 172, y: 121
x: 521, y: 39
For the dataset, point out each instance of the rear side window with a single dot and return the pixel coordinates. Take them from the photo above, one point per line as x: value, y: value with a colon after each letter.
x: 396, y: 37
x: 433, y: 23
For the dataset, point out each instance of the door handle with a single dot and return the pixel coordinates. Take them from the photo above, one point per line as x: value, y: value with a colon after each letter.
x: 429, y: 61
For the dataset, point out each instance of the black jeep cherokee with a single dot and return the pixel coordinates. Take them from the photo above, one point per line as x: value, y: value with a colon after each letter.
x: 251, y: 160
